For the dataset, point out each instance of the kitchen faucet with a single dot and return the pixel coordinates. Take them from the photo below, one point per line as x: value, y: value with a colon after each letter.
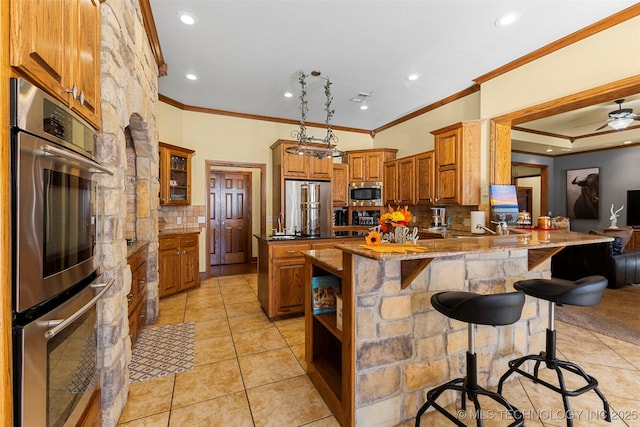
x: 482, y: 227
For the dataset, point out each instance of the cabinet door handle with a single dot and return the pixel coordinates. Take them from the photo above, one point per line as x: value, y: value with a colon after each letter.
x: 291, y: 251
x: 73, y: 91
x: 82, y: 97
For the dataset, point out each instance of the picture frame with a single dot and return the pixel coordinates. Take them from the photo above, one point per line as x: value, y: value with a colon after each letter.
x: 504, y: 203
x: 583, y: 193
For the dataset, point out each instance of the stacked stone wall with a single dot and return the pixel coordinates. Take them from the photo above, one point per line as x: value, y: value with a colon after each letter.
x: 129, y: 94
x: 404, y: 347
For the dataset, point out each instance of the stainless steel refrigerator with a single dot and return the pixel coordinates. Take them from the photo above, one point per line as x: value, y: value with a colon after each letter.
x: 295, y: 204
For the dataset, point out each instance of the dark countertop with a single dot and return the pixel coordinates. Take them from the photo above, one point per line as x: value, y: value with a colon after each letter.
x: 291, y: 238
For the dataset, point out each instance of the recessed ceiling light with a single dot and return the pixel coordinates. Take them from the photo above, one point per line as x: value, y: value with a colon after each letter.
x: 186, y: 18
x: 548, y: 150
x: 288, y: 95
x: 507, y: 19
x: 626, y: 142
x: 414, y: 76
x: 356, y: 99
x: 364, y: 107
x: 191, y: 76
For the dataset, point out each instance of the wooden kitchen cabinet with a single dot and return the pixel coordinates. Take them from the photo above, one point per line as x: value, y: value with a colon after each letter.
x: 408, y: 180
x: 281, y: 279
x: 137, y: 297
x: 175, y: 175
x: 300, y: 167
x: 457, y: 164
x: 56, y: 44
x: 390, y: 182
x: 178, y: 263
x: 368, y: 165
x: 424, y: 178
x: 340, y: 185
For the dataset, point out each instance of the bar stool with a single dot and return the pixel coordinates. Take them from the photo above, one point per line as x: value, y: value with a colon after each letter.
x: 495, y: 309
x: 584, y: 292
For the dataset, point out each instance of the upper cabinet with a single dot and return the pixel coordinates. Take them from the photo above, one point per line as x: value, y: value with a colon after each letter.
x: 409, y: 180
x: 340, y: 185
x: 368, y: 165
x: 457, y: 164
x: 175, y: 175
x: 300, y: 167
x: 424, y: 178
x: 56, y: 44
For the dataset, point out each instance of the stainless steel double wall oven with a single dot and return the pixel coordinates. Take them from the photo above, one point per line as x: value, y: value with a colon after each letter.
x: 55, y: 281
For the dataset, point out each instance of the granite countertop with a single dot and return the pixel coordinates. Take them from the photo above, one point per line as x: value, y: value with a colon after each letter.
x: 458, y: 245
x: 176, y: 231
x: 135, y: 246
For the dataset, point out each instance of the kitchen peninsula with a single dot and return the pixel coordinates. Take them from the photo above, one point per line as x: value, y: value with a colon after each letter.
x: 393, y: 346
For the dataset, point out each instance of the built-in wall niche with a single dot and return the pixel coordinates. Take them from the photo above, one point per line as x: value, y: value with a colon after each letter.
x: 130, y: 187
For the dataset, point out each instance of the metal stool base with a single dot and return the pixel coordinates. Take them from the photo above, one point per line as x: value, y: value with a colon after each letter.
x: 469, y: 388
x: 548, y: 357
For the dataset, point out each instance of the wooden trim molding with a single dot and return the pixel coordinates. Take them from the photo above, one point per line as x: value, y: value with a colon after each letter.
x: 212, y: 164
x: 206, y: 110
x: 152, y: 36
x: 6, y: 382
x: 603, y: 24
x: 500, y: 127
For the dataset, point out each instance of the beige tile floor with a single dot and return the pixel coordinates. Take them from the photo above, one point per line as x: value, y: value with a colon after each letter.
x: 251, y: 372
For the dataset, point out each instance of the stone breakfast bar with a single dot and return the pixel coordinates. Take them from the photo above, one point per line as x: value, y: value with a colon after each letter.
x: 393, y: 346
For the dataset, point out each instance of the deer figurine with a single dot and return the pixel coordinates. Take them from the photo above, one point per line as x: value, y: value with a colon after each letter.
x: 614, y: 216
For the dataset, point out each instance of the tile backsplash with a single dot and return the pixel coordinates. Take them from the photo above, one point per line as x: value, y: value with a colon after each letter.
x: 460, y: 215
x: 176, y: 217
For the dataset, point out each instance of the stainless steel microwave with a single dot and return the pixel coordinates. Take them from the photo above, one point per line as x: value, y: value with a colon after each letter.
x: 365, y: 194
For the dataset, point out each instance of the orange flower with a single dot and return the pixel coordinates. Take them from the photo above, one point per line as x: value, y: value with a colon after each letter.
x: 373, y: 238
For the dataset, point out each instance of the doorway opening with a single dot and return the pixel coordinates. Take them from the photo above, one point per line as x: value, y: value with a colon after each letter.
x: 235, y: 208
x: 531, y: 181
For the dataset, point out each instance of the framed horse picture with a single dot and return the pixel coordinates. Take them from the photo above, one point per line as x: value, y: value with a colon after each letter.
x: 583, y: 193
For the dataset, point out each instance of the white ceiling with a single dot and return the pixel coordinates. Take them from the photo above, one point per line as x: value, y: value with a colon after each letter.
x: 248, y: 53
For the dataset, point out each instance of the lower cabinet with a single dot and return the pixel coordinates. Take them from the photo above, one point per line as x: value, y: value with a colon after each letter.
x: 137, y: 297
x: 281, y: 278
x: 178, y: 264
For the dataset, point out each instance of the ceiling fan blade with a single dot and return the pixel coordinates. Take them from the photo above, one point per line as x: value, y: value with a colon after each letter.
x: 603, y: 126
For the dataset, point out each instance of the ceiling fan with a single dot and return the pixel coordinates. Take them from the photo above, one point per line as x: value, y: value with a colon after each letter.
x: 620, y: 118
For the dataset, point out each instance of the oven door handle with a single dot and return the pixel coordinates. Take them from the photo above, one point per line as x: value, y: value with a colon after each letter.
x: 94, y: 167
x: 61, y: 324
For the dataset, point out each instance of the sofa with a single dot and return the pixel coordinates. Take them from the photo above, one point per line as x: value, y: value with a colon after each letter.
x: 620, y: 266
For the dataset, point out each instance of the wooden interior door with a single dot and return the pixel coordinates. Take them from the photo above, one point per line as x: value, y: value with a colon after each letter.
x: 229, y: 217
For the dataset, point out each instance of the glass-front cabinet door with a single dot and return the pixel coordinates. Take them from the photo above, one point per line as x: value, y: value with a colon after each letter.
x: 175, y: 175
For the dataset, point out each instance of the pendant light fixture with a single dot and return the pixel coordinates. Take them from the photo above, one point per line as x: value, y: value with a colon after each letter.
x: 310, y: 145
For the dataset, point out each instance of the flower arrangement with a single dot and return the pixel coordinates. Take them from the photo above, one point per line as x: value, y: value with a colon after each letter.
x: 397, y: 217
x: 387, y: 229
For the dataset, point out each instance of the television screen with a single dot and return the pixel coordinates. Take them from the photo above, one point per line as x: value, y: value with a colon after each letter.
x: 633, y: 208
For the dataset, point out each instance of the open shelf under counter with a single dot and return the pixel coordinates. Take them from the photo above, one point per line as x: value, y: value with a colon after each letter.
x: 328, y: 350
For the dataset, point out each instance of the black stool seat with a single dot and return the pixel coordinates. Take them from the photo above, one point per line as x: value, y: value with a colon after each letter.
x: 586, y: 291
x: 495, y: 309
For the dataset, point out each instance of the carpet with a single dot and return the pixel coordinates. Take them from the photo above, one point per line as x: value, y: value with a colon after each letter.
x: 163, y: 350
x: 616, y: 316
